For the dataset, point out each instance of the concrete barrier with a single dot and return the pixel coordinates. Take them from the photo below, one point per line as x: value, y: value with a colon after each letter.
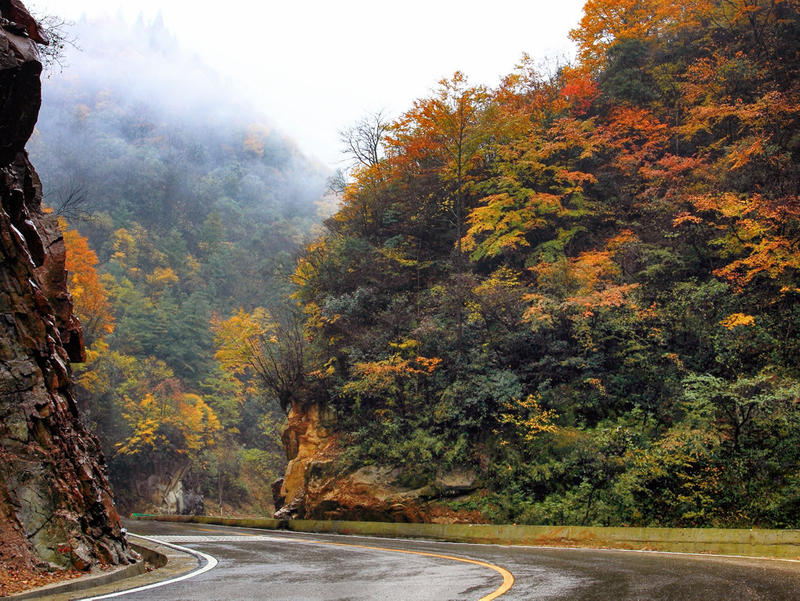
x: 265, y: 523
x: 149, y: 554
x: 783, y: 544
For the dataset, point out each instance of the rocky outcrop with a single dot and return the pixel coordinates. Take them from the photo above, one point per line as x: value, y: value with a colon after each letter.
x: 166, y: 491
x: 307, y: 440
x: 315, y: 488
x: 55, y: 503
x: 18, y: 19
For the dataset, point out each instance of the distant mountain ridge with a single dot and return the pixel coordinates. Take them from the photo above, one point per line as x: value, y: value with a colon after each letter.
x: 194, y: 204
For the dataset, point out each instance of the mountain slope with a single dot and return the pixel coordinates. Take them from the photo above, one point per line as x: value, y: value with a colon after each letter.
x: 187, y: 205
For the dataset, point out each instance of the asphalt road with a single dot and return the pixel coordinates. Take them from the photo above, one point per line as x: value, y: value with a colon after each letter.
x: 283, y: 566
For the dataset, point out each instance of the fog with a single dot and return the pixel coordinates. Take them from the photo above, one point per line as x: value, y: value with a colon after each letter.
x: 316, y: 67
x: 143, y: 63
x: 130, y: 118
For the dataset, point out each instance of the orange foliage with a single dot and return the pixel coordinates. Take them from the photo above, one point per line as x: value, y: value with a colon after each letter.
x: 638, y: 136
x: 750, y: 229
x: 586, y: 282
x: 88, y: 292
x: 443, y: 133
x: 607, y: 21
x: 379, y: 372
x: 579, y: 89
x: 254, y: 140
x: 387, y: 377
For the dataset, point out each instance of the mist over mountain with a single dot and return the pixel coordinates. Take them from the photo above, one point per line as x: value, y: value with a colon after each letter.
x: 187, y: 205
x: 132, y: 110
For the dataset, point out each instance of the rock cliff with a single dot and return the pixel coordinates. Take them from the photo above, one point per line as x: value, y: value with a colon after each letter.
x: 56, y: 508
x: 314, y: 487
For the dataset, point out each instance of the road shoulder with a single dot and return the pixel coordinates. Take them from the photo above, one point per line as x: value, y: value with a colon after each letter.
x: 159, y: 563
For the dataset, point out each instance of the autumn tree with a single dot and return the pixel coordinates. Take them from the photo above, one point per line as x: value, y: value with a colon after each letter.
x: 447, y: 133
x: 626, y: 332
x: 86, y: 285
x: 269, y: 345
x: 186, y: 219
x: 167, y: 424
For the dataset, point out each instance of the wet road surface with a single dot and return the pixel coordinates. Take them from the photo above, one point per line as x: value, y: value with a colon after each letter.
x: 284, y: 566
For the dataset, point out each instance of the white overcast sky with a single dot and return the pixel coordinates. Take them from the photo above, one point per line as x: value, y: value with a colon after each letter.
x: 315, y: 67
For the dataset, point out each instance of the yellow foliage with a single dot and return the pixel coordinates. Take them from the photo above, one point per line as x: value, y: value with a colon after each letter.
x: 124, y: 246
x: 307, y: 265
x: 91, y: 379
x: 316, y: 319
x: 155, y: 420
x: 498, y: 297
x: 406, y: 344
x: 394, y: 254
x: 238, y: 339
x: 162, y: 276
x: 737, y: 319
x: 502, y: 223
x: 198, y: 421
x: 528, y: 418
x: 193, y: 266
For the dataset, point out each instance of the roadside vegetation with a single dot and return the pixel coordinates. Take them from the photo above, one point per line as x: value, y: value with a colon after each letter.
x: 582, y: 284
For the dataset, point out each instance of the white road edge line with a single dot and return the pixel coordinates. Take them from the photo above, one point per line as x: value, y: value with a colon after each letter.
x: 211, y: 563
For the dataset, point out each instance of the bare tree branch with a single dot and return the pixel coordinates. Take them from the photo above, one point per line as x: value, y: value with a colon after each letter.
x: 363, y: 141
x: 71, y: 201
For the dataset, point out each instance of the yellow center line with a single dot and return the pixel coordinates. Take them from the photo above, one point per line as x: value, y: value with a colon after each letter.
x: 508, y: 577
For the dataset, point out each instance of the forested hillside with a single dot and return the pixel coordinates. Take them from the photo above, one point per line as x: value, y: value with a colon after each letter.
x: 181, y: 206
x: 582, y: 285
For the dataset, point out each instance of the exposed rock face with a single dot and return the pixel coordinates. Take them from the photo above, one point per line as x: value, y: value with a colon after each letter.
x: 307, y: 441
x: 18, y: 18
x: 166, y: 491
x: 314, y: 489
x: 55, y: 502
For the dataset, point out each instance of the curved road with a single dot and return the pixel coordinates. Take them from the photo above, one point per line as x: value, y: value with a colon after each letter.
x: 284, y: 566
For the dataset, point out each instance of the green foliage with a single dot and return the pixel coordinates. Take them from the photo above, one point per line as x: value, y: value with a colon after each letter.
x: 622, y: 345
x: 191, y: 215
x: 582, y: 287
